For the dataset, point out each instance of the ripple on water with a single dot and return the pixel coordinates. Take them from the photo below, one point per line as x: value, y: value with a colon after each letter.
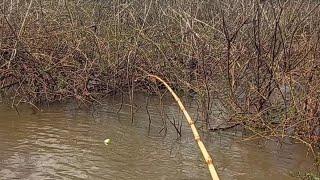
x: 67, y: 143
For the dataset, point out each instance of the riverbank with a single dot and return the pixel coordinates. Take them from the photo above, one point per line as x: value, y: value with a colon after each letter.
x: 259, y: 59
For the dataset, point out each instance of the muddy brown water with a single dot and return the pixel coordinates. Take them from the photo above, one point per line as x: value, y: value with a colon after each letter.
x: 65, y: 142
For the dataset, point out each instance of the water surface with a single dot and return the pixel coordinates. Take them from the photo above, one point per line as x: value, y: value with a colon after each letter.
x: 65, y: 142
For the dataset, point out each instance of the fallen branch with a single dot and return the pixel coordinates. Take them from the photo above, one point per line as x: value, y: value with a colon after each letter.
x: 225, y: 128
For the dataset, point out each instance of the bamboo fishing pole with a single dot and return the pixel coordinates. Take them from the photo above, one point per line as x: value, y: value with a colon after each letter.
x: 197, y: 138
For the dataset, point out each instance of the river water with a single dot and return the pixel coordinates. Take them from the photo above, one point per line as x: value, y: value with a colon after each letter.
x: 66, y: 142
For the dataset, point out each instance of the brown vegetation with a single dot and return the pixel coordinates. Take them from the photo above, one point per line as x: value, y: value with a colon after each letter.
x: 261, y: 58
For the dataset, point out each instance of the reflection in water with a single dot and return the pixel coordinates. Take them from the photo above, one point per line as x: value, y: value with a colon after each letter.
x: 64, y: 142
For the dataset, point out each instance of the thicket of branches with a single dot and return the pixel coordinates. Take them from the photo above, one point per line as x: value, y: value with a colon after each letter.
x: 261, y: 58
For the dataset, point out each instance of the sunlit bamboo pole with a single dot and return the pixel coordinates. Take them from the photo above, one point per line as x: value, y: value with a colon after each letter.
x: 203, y: 149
